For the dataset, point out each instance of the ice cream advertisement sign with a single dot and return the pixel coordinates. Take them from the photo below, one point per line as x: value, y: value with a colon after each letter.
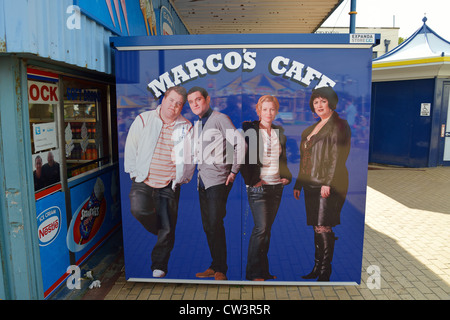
x: 87, y: 219
x: 49, y: 225
x: 66, y: 235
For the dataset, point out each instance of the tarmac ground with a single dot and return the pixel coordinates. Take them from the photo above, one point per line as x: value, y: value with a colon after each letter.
x: 406, y: 253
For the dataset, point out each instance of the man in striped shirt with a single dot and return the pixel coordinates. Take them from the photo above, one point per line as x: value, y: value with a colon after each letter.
x: 158, y: 159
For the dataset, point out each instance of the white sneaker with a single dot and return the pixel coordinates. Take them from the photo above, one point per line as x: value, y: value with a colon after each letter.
x: 158, y: 273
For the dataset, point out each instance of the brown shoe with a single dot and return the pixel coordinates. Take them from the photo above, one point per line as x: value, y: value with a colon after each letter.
x: 220, y: 276
x: 208, y: 273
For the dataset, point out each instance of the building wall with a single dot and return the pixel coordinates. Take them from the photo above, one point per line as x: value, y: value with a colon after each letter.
x: 41, y: 28
x: 54, y: 29
x: 399, y: 134
x: 20, y: 273
x: 386, y: 34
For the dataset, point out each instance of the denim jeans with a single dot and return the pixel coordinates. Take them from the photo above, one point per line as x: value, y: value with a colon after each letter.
x: 264, y: 202
x: 145, y: 199
x: 213, y: 202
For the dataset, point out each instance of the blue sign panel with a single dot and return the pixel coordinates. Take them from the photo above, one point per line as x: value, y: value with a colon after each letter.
x: 264, y: 177
x: 95, y: 216
x: 124, y: 17
x: 95, y: 213
x: 52, y: 230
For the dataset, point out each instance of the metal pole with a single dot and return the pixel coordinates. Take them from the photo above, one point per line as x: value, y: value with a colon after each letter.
x: 62, y: 146
x: 352, y: 14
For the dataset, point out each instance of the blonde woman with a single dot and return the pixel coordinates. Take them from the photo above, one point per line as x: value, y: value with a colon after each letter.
x: 265, y: 173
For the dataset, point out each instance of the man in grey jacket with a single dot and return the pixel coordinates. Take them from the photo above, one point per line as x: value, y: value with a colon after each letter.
x: 219, y: 151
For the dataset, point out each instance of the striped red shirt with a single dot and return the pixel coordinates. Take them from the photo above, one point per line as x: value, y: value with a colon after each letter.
x: 162, y: 169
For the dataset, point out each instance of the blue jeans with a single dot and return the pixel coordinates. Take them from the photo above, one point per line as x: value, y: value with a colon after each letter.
x: 213, y: 203
x: 145, y: 200
x: 264, y: 202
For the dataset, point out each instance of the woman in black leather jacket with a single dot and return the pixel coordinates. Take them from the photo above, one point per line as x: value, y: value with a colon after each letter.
x: 323, y: 176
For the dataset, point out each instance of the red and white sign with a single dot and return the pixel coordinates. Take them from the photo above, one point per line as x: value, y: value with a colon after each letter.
x: 42, y: 75
x: 49, y: 225
x: 41, y: 92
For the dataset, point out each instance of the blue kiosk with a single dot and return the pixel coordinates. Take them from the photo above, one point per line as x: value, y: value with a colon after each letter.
x: 410, y: 102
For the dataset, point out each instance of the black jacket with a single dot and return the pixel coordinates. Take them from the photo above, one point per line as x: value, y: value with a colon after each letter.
x: 251, y: 170
x: 329, y: 153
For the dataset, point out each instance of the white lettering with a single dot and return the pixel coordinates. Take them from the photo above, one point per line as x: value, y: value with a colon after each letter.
x: 245, y: 309
x: 298, y: 72
x: 311, y: 74
x: 295, y: 71
x: 160, y: 86
x: 210, y: 62
x: 196, y: 310
x: 374, y: 280
x: 74, y: 280
x: 195, y: 67
x: 276, y: 62
x: 73, y: 21
x: 232, y: 61
x: 179, y: 75
x: 325, y: 81
x: 213, y: 152
x: 92, y: 212
x: 249, y: 60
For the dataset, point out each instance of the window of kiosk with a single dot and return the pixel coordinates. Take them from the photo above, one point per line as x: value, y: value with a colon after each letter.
x: 86, y: 130
x: 46, y: 154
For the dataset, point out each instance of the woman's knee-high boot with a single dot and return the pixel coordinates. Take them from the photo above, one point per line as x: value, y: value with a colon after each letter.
x: 328, y: 239
x: 318, y: 245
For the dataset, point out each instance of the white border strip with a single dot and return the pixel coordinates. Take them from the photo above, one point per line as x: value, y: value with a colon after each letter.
x: 244, y: 46
x: 258, y: 283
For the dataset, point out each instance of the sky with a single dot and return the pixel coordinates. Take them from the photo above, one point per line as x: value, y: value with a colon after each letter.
x: 408, y: 15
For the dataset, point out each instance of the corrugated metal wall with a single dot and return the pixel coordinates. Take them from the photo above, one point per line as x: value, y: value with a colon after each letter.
x: 40, y: 27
